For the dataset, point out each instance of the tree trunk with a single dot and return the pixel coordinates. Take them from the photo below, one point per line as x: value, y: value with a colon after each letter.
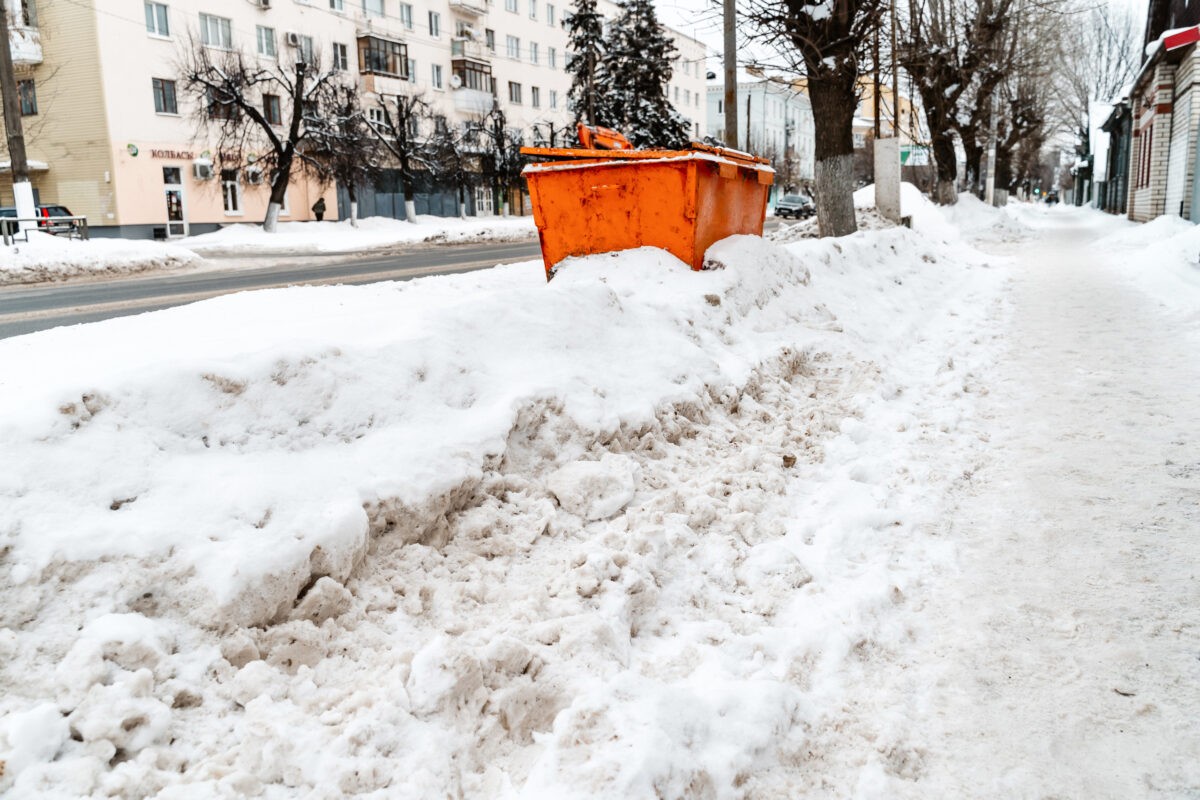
x: 272, y: 218
x: 945, y: 190
x: 410, y: 210
x: 353, y: 213
x: 974, y: 159
x: 833, y: 103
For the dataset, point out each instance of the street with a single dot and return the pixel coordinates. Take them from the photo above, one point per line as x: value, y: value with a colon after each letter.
x: 25, y: 309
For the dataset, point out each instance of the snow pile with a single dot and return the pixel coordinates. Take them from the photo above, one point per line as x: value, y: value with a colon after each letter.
x: 46, y: 258
x: 980, y: 222
x: 372, y: 233
x: 1162, y: 257
x: 626, y: 534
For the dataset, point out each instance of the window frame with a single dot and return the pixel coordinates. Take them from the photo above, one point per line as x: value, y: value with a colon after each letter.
x: 224, y: 30
x: 153, y: 19
x: 512, y: 46
x: 27, y: 97
x: 340, y: 62
x: 385, y: 52
x: 234, y: 183
x: 514, y: 93
x: 435, y: 25
x: 265, y: 35
x: 406, y: 15
x: 159, y: 88
x: 435, y: 76
x: 274, y: 119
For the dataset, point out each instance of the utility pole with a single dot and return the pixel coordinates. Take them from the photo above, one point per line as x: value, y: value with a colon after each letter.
x: 875, y: 85
x: 990, y: 187
x: 22, y: 189
x: 895, y: 80
x: 731, y: 123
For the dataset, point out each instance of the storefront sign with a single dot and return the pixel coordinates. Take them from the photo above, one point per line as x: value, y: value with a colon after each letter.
x: 174, y: 155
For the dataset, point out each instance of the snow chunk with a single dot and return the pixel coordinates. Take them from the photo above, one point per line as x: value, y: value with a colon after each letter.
x: 595, y: 489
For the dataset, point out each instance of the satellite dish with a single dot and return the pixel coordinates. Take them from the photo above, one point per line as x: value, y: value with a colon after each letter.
x: 455, y: 82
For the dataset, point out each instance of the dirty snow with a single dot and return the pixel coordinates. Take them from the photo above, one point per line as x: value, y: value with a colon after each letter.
x: 639, y: 532
x: 52, y: 258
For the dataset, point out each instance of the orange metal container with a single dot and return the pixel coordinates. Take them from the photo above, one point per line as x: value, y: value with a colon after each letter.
x: 597, y: 201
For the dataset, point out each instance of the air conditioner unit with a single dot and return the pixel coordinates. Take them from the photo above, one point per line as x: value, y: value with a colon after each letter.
x: 292, y: 39
x: 254, y: 176
x: 264, y: 3
x: 202, y: 170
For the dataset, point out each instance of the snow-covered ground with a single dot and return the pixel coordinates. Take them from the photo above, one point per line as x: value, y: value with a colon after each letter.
x: 638, y: 532
x: 51, y: 258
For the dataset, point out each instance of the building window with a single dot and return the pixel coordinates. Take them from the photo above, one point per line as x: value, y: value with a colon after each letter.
x: 412, y: 71
x: 375, y: 115
x: 514, y: 93
x: 382, y: 57
x: 164, y: 96
x: 218, y: 109
x: 271, y: 109
x: 435, y: 24
x: 676, y: 95
x: 552, y: 57
x: 473, y: 74
x: 373, y: 8
x: 687, y: 97
x: 266, y: 41
x: 489, y: 38
x: 553, y: 99
x: 341, y: 57
x: 436, y: 76
x: 533, y: 52
x: 156, y: 19
x: 216, y: 31
x: 533, y: 9
x: 514, y: 46
x: 406, y: 15
x: 510, y: 5
x: 860, y: 141
x: 550, y: 15
x: 27, y: 98
x: 336, y: 5
x: 231, y: 191
x: 535, y: 97
x: 308, y: 50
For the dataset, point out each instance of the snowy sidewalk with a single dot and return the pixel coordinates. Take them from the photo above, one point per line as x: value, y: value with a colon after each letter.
x: 1064, y: 659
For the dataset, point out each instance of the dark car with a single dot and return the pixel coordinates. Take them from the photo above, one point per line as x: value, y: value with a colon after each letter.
x: 46, y: 211
x: 1051, y: 197
x: 795, y: 205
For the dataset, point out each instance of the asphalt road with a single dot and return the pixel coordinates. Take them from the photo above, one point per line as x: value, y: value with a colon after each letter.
x: 25, y: 309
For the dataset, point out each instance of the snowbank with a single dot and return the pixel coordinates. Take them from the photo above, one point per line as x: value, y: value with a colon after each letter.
x: 1162, y: 257
x: 620, y: 535
x: 372, y: 233
x: 46, y: 258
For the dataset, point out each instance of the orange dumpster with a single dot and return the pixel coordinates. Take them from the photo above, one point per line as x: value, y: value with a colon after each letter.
x: 597, y: 201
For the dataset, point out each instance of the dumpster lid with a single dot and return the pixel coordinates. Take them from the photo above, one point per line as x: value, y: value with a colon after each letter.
x: 574, y: 158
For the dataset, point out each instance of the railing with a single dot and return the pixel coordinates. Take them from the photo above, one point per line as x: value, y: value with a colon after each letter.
x: 478, y: 7
x: 468, y: 48
x: 75, y: 227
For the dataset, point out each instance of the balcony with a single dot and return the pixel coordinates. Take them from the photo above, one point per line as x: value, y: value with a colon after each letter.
x: 464, y: 47
x: 470, y: 8
x: 25, y: 42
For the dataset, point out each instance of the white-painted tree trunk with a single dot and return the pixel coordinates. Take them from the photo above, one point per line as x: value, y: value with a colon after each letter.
x: 272, y: 220
x: 410, y: 210
x: 462, y: 210
x: 353, y: 213
x: 25, y: 205
x: 835, y: 196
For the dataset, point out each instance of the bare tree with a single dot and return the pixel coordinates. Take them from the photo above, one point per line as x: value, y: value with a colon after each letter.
x: 402, y: 130
x: 500, y: 148
x: 347, y: 146
x: 829, y: 42
x: 1101, y: 59
x: 245, y: 107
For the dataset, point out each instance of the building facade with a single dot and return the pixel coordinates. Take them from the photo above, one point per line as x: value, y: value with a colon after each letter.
x: 110, y: 134
x: 775, y: 121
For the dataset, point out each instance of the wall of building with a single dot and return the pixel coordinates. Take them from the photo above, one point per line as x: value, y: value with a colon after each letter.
x: 1153, y: 102
x: 772, y: 115
x: 69, y: 133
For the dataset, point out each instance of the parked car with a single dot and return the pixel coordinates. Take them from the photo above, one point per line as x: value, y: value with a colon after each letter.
x: 46, y: 211
x: 795, y: 205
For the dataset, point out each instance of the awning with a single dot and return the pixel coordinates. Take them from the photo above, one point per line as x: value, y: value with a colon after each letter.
x: 34, y: 166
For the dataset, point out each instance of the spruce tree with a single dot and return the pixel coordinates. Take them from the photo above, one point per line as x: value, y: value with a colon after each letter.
x: 585, y: 43
x: 637, y: 68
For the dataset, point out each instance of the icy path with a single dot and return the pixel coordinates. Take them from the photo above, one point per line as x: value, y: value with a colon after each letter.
x: 1064, y: 659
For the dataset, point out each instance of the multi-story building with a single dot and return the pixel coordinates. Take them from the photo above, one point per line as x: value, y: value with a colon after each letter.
x: 775, y: 121
x: 110, y: 133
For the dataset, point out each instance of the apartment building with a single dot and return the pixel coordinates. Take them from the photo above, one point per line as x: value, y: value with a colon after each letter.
x: 775, y: 121
x: 110, y: 133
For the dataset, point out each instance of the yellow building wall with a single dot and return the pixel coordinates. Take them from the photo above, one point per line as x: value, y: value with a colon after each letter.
x: 69, y: 132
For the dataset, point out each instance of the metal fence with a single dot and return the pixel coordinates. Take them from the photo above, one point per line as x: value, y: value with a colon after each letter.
x: 75, y: 227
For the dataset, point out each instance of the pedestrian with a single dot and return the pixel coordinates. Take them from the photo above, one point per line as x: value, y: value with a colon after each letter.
x: 319, y: 208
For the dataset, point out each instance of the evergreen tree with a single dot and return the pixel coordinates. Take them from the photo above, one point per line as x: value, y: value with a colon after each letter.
x: 585, y: 43
x: 637, y: 68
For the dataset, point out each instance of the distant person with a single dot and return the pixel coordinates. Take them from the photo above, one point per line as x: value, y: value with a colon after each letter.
x: 319, y: 208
